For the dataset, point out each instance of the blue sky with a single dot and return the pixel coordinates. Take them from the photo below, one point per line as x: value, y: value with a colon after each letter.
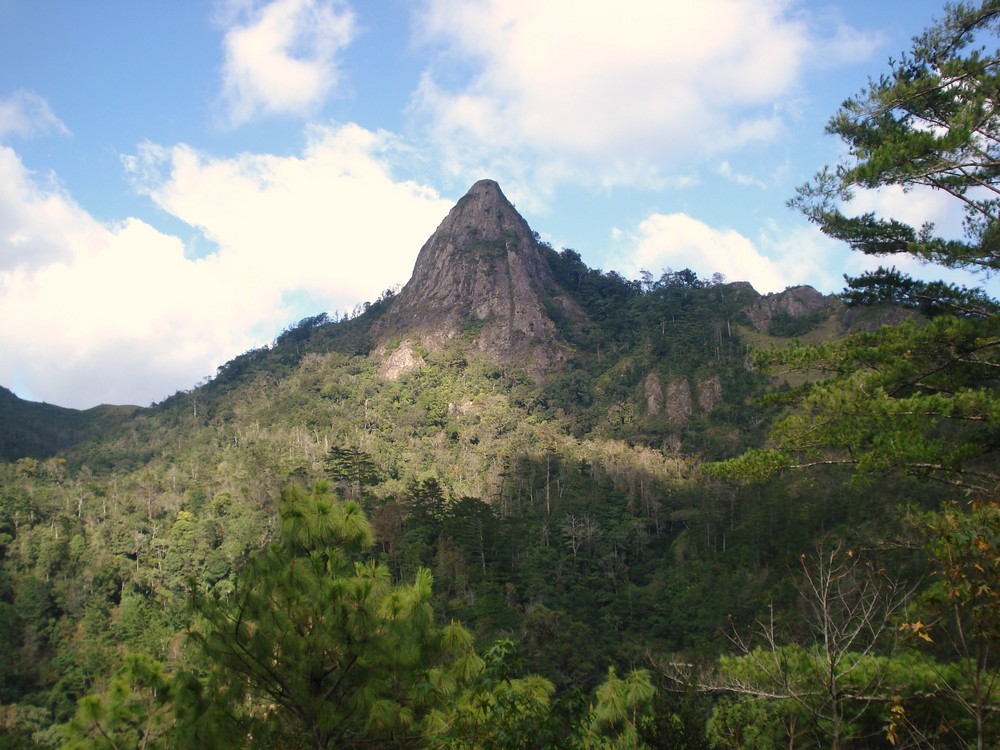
x: 180, y: 181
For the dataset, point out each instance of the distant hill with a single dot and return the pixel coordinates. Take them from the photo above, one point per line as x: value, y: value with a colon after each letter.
x: 39, y: 430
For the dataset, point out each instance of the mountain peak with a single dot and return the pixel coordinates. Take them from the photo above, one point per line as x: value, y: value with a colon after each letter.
x: 486, y: 186
x: 483, y: 215
x: 481, y: 273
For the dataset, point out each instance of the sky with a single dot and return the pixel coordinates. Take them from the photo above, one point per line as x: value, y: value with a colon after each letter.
x: 180, y: 181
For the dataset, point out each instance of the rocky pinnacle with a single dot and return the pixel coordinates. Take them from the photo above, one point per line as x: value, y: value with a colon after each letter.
x: 481, y: 275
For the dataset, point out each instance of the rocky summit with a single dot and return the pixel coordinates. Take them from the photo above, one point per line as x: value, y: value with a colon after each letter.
x: 483, y: 275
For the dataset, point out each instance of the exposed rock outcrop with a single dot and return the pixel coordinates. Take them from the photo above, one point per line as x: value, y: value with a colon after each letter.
x: 653, y: 390
x: 482, y: 275
x: 796, y: 301
x: 401, y: 360
x: 679, y: 402
x: 709, y: 393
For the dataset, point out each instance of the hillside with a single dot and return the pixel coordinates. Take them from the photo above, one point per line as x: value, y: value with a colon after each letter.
x: 527, y: 428
x: 29, y: 429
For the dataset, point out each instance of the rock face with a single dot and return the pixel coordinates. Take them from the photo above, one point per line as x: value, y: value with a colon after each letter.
x: 402, y: 359
x: 709, y: 393
x: 481, y: 274
x: 678, y: 402
x: 653, y: 389
x: 795, y: 302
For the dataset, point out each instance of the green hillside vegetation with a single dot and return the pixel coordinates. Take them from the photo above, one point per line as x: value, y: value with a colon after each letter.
x: 43, y: 430
x: 565, y: 519
x: 692, y: 533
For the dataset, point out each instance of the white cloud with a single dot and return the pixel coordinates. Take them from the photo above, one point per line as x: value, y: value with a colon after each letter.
x: 726, y: 170
x: 913, y: 207
x: 783, y: 255
x: 618, y: 93
x: 679, y: 241
x: 331, y: 222
x: 26, y: 114
x: 98, y: 313
x: 120, y: 313
x: 38, y: 225
x: 281, y: 58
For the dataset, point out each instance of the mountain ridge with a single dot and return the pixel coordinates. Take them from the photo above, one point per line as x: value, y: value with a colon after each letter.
x: 482, y: 281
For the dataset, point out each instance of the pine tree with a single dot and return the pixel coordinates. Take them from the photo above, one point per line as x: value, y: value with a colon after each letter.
x: 317, y: 647
x: 920, y: 397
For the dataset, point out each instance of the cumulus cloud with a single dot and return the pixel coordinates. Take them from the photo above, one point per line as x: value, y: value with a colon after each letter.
x: 623, y: 93
x: 120, y: 313
x: 39, y: 224
x: 916, y: 207
x: 913, y: 207
x: 27, y: 114
x: 782, y: 254
x: 331, y: 222
x: 679, y: 241
x: 281, y: 58
x: 99, y: 313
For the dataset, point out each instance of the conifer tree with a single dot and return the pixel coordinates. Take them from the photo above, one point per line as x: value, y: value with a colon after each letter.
x: 920, y: 397
x: 317, y: 647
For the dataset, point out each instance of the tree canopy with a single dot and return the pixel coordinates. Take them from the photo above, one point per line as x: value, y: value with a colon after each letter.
x: 921, y: 396
x: 928, y: 123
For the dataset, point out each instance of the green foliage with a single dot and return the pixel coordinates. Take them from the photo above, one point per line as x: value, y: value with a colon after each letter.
x: 489, y: 248
x: 928, y: 123
x: 352, y: 469
x: 559, y: 648
x: 785, y: 325
x: 962, y: 609
x: 571, y: 519
x: 315, y: 647
x: 40, y: 431
x: 753, y: 724
x: 317, y: 643
x: 678, y: 721
x: 929, y: 298
x: 499, y: 710
x: 917, y: 397
x: 136, y: 710
x: 623, y: 704
x: 831, y: 681
x: 476, y: 483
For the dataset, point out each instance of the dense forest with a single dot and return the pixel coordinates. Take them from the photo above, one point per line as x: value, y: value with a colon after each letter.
x: 722, y: 521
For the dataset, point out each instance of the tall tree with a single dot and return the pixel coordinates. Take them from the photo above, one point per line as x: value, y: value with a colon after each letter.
x: 136, y: 710
x: 963, y: 610
x: 499, y: 710
x: 920, y: 397
x: 317, y: 646
x: 351, y: 468
x: 928, y: 123
x: 850, y: 608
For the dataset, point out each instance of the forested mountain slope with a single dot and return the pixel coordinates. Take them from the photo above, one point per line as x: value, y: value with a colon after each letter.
x: 528, y: 429
x: 29, y: 429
